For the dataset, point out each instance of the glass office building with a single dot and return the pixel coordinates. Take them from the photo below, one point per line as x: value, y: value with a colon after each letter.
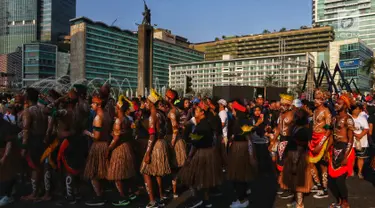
x: 350, y: 19
x: 54, y: 18
x: 352, y: 59
x: 101, y: 52
x: 27, y: 21
x: 18, y: 23
x: 39, y: 62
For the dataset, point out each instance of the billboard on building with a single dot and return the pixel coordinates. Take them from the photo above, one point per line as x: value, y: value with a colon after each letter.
x: 350, y: 64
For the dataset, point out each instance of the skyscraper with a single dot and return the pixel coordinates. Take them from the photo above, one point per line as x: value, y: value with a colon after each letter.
x: 26, y: 21
x: 350, y: 19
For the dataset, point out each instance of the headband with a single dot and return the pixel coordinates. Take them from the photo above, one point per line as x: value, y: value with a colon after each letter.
x: 203, y: 106
x: 97, y: 100
x: 154, y: 96
x: 170, y: 94
x: 286, y: 99
x: 346, y: 100
x: 238, y: 106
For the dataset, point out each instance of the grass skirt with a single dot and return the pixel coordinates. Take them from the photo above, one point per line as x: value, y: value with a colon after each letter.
x: 296, y: 176
x: 96, y: 165
x: 203, y: 171
x: 159, y: 165
x: 178, y: 154
x: 121, y: 166
x: 240, y: 168
x: 12, y: 164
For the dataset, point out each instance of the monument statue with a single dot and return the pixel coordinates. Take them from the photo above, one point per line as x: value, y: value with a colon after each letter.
x: 145, y: 53
x: 146, y: 15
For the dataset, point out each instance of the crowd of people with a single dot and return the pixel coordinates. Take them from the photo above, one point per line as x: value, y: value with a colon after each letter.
x: 194, y: 142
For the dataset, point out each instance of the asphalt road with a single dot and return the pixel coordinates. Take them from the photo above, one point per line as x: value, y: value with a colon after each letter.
x: 361, y: 194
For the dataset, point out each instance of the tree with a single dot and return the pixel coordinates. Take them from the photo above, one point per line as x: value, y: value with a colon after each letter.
x: 217, y: 39
x: 205, y: 92
x: 224, y: 37
x: 283, y: 29
x: 297, y: 89
x: 180, y: 92
x: 369, y: 67
x: 266, y: 31
x: 270, y: 81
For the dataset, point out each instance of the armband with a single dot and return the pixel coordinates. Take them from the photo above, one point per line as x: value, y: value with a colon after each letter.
x: 54, y: 113
x: 349, y: 147
x: 175, y: 131
x: 116, y: 133
x: 327, y: 127
x: 97, y: 128
x: 151, y: 131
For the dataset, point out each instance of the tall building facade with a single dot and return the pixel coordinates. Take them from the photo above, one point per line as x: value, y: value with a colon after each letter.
x: 11, y: 66
x: 351, y: 55
x: 350, y: 19
x: 352, y: 59
x: 103, y: 52
x: 27, y: 21
x: 39, y: 61
x: 286, y: 72
x: 315, y: 39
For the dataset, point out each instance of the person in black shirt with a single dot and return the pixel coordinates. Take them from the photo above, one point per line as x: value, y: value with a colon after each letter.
x: 202, y: 169
x: 241, y: 165
x: 296, y: 175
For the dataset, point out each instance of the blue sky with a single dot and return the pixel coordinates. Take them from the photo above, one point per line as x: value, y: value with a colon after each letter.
x: 202, y: 20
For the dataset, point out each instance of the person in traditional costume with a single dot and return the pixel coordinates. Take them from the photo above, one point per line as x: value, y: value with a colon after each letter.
x: 177, y: 144
x: 296, y: 175
x: 318, y: 145
x: 49, y: 157
x: 60, y: 111
x: 121, y: 166
x: 283, y: 130
x: 342, y: 154
x: 202, y: 169
x: 70, y: 153
x: 155, y: 161
x: 34, y: 129
x: 97, y: 163
x: 241, y: 158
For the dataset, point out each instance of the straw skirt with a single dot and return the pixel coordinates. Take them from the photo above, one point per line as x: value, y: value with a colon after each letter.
x: 240, y: 168
x: 121, y: 165
x: 296, y: 175
x: 97, y: 164
x: 203, y: 171
x: 159, y: 164
x: 178, y: 154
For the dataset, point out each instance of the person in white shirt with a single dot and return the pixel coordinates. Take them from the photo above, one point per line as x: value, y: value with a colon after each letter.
x: 360, y: 137
x: 224, y: 119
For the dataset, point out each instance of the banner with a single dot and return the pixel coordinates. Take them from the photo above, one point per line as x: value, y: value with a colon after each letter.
x: 349, y: 64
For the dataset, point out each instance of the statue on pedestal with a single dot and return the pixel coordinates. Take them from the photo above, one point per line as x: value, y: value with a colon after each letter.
x: 146, y: 15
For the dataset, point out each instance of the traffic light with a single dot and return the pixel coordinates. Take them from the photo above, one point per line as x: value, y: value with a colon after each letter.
x: 188, y: 84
